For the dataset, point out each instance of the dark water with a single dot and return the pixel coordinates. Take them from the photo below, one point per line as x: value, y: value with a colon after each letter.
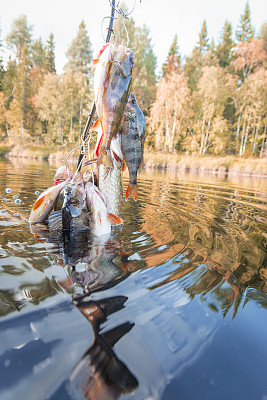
x: 172, y: 306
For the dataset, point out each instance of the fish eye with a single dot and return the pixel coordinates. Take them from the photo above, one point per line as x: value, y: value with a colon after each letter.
x: 133, y: 101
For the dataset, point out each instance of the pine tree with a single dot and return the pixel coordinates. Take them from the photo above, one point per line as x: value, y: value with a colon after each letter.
x: 203, y: 41
x: 79, y: 53
x: 194, y: 63
x: 21, y: 33
x: 50, y: 54
x: 245, y: 30
x: 224, y: 51
x: 38, y: 54
x: 173, y: 61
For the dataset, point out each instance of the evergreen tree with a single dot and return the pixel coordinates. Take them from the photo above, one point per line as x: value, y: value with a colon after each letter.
x: 245, y: 30
x: 38, y: 54
x: 224, y: 51
x: 203, y: 41
x: 263, y: 35
x: 173, y: 61
x: 50, y: 54
x: 79, y: 53
x: 21, y: 33
x: 194, y: 63
x: 10, y: 82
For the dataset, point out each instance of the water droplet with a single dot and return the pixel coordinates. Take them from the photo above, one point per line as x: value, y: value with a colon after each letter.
x: 2, y: 211
x: 16, y: 214
x: 8, y: 190
x: 15, y: 196
x: 37, y: 192
x: 17, y: 201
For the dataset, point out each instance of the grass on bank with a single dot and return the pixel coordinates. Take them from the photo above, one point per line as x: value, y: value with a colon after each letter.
x: 231, y: 164
x: 206, y: 163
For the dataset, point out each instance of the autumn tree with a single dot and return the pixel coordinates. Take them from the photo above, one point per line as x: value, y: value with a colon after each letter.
x: 19, y: 107
x: 79, y: 53
x: 251, y: 110
x: 249, y: 56
x: 209, y: 130
x: 171, y: 111
x: 245, y: 31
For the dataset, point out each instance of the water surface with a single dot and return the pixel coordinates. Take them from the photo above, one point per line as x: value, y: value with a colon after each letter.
x: 171, y: 306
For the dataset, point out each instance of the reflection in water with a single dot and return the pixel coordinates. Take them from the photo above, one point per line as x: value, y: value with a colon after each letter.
x: 153, y: 292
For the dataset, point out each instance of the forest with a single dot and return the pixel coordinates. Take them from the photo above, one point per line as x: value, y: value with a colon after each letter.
x: 211, y: 102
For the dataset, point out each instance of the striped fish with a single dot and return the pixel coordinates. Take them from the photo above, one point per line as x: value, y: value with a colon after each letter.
x: 133, y: 131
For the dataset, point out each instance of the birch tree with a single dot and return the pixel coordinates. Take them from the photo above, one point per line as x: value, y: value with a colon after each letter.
x: 171, y: 111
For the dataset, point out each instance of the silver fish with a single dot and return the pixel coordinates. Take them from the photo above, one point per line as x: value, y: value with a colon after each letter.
x: 110, y: 185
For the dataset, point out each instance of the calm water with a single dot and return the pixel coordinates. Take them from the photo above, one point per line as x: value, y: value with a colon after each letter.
x: 171, y: 306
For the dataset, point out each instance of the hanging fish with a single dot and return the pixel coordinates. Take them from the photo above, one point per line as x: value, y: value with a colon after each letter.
x: 101, y: 221
x: 133, y: 132
x: 112, y: 81
x: 45, y: 203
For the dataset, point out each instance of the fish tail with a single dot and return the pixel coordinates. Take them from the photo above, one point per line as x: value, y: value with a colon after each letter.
x: 132, y: 190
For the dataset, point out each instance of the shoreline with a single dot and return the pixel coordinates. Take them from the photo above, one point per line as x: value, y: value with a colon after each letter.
x: 228, y: 165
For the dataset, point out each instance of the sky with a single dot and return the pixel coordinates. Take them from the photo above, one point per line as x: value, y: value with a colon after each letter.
x: 163, y: 18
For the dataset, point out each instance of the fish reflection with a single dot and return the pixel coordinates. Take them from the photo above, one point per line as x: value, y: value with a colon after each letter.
x: 100, y: 374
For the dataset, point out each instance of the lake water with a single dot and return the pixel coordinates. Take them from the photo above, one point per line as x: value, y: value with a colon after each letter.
x: 171, y: 306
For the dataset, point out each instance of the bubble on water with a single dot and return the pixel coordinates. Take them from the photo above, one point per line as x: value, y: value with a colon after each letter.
x: 37, y: 192
x: 17, y: 201
x: 8, y: 190
x: 15, y: 196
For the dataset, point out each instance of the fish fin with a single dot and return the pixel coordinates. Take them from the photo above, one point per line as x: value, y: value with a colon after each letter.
x: 38, y: 203
x: 95, y: 61
x: 99, y: 145
x: 89, y: 162
x: 142, y: 164
x: 55, y: 220
x: 96, y: 125
x: 132, y: 190
x: 113, y: 219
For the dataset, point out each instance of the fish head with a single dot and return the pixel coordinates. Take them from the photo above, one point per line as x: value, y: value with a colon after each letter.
x: 62, y: 174
x: 124, y: 59
x: 74, y: 196
x: 132, y: 107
